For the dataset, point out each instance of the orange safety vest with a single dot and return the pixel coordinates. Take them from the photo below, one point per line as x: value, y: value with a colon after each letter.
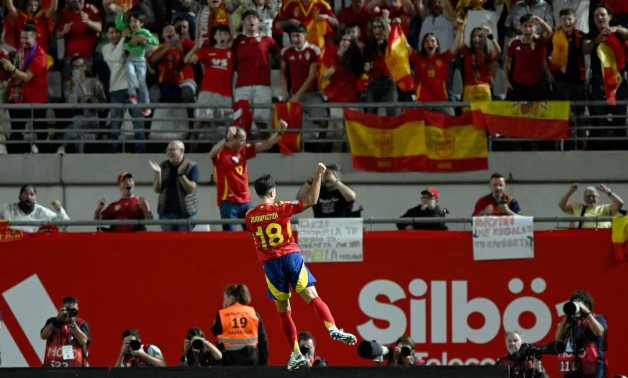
x: 239, y: 327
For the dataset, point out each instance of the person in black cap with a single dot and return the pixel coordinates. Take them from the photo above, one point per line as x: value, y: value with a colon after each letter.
x: 129, y: 206
x: 428, y: 208
x: 336, y: 199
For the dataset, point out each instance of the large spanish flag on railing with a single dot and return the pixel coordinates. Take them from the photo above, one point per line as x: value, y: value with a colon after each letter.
x: 397, y: 58
x: 620, y: 237
x: 415, y: 141
x: 536, y: 120
x: 453, y: 144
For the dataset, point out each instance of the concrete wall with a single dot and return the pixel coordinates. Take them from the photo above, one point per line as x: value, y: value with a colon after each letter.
x: 536, y: 179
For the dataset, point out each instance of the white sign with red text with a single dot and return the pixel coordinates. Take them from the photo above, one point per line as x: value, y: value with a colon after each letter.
x: 503, y: 238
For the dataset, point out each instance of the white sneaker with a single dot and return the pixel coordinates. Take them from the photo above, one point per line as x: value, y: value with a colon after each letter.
x: 34, y: 149
x: 3, y: 149
x: 340, y: 335
x: 296, y: 361
x: 61, y: 150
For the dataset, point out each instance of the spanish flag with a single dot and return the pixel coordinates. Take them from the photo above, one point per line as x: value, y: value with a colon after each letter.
x: 291, y: 112
x: 453, y: 144
x: 612, y: 59
x: 415, y: 141
x: 316, y: 32
x: 536, y: 120
x: 619, y: 236
x: 397, y: 58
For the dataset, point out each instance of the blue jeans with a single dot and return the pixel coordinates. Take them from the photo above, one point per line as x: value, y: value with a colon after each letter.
x: 136, y: 75
x: 115, y: 120
x: 232, y: 210
x: 175, y: 227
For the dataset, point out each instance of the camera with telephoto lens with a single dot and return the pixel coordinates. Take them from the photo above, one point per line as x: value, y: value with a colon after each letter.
x: 372, y: 350
x: 135, y: 345
x: 72, y: 312
x: 572, y: 309
x: 198, y: 344
x: 406, y: 351
x: 305, y: 350
x: 529, y: 351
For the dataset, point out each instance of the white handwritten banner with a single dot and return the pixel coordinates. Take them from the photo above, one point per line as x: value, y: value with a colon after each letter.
x: 331, y: 239
x: 503, y: 238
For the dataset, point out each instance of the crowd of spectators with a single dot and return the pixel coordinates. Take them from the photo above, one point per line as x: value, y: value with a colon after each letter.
x: 324, y: 51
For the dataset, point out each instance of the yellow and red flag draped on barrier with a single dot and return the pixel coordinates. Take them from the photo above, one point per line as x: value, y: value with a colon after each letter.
x: 537, y: 120
x: 397, y: 58
x: 291, y: 112
x: 415, y: 141
x: 609, y: 54
x: 620, y: 236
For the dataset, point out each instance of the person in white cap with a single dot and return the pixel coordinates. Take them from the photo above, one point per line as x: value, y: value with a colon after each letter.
x: 591, y: 206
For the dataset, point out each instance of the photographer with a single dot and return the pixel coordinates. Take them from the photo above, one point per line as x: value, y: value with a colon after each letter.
x: 403, y: 353
x: 520, y: 363
x: 67, y: 337
x: 497, y: 202
x: 240, y: 330
x: 335, y: 199
x: 584, y: 332
x: 427, y: 208
x: 134, y: 353
x: 307, y: 346
x: 198, y: 351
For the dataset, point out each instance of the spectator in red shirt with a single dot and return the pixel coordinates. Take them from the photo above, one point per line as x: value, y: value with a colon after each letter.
x: 129, y: 206
x: 229, y: 157
x: 34, y: 14
x: 28, y: 83
x: 431, y: 68
x: 79, y: 24
x: 251, y: 50
x: 404, y: 10
x: 343, y: 68
x: 305, y: 12
x: 381, y: 87
x: 497, y: 202
x: 168, y: 59
x: 216, y: 96
x: 527, y: 52
x: 477, y: 62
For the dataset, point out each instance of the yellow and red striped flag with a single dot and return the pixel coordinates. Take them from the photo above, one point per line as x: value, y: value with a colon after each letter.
x: 415, y: 141
x: 536, y: 120
x: 397, y: 58
x: 291, y: 112
x: 453, y: 144
x: 608, y: 54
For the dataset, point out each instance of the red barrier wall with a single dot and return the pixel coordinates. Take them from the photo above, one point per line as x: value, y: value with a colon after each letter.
x: 420, y: 283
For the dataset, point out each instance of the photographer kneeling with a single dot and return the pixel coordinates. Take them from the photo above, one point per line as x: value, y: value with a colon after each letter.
x: 583, y: 331
x: 522, y: 364
x: 307, y: 346
x: 134, y: 353
x: 198, y: 351
x: 401, y: 354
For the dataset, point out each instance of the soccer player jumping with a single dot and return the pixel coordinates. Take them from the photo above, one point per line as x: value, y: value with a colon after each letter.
x: 269, y: 224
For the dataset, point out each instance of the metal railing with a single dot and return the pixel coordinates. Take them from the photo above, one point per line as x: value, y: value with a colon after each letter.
x: 591, y: 122
x: 465, y: 221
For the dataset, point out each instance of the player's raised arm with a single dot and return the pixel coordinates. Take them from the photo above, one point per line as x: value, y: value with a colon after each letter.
x: 315, y: 189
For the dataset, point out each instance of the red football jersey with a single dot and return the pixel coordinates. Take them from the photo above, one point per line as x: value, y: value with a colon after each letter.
x: 252, y: 61
x: 298, y: 63
x: 231, y: 176
x: 81, y: 39
x: 170, y: 67
x: 269, y: 224
x: 218, y: 65
x: 124, y: 208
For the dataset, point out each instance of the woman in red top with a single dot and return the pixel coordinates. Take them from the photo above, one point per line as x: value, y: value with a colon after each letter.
x: 477, y: 62
x: 381, y: 87
x: 430, y: 67
x: 341, y: 70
